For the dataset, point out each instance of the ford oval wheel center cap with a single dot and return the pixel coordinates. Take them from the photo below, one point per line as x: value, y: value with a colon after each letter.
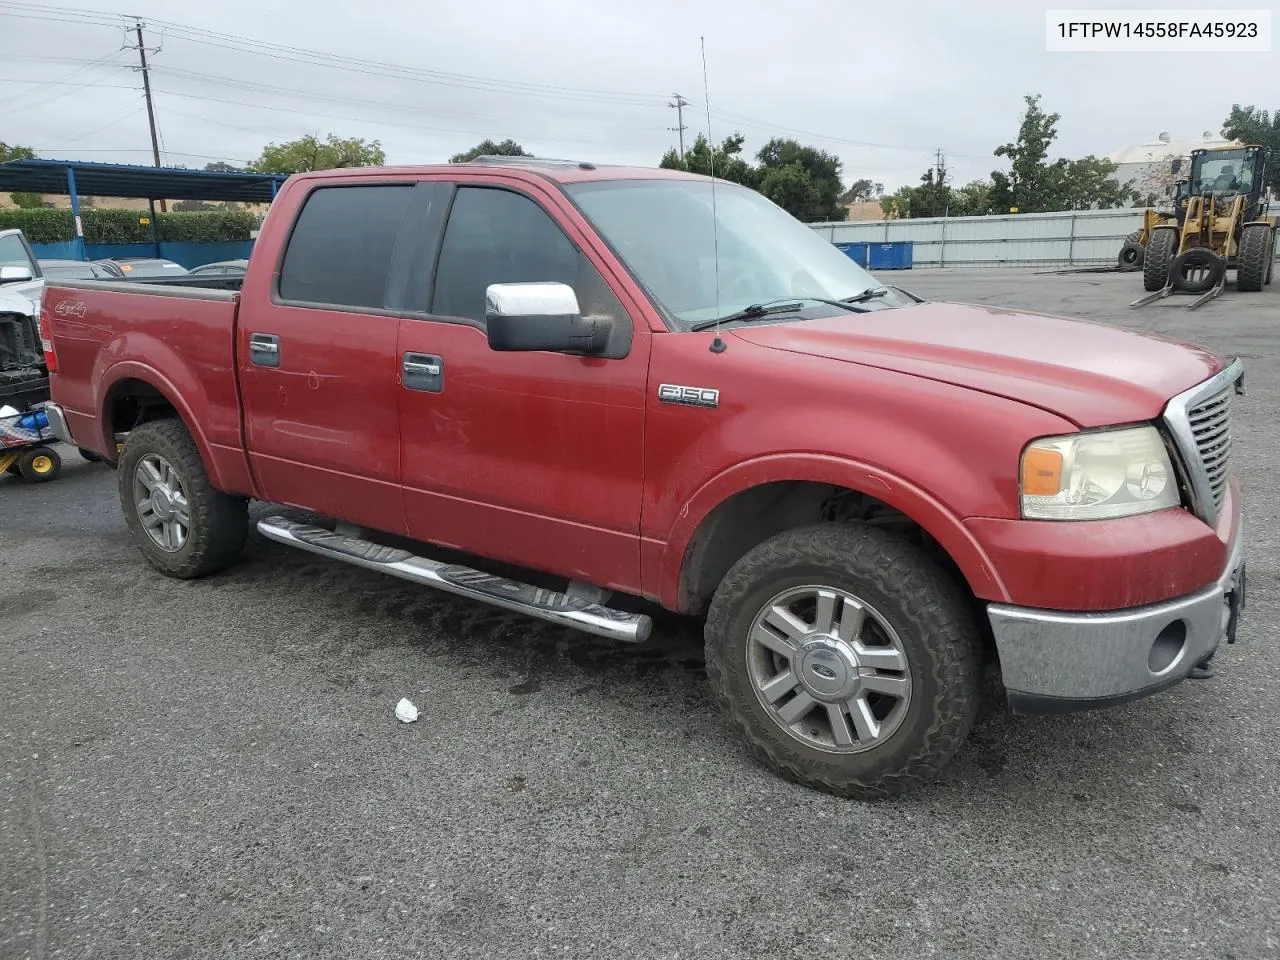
x: 828, y: 669
x: 162, y: 503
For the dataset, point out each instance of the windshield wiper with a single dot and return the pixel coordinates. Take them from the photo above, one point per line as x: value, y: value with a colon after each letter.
x: 770, y: 307
x: 871, y: 293
x: 752, y: 312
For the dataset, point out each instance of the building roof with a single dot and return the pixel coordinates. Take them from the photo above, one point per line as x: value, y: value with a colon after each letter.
x: 1163, y: 148
x: 128, y: 180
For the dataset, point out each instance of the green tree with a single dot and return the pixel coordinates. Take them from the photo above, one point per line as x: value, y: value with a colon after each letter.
x: 1253, y: 125
x: 310, y: 153
x: 1029, y: 185
x: 488, y: 148
x: 1087, y: 184
x: 725, y: 160
x: 221, y: 166
x: 802, y: 180
x: 7, y: 153
x: 1035, y: 185
x: 971, y: 200
x: 822, y: 169
x: 861, y: 190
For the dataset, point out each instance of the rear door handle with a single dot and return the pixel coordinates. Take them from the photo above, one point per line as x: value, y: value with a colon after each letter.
x: 422, y: 371
x: 264, y: 349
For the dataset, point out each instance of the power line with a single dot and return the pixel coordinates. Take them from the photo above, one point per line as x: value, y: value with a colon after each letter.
x: 276, y: 51
x: 394, y: 123
x: 130, y: 112
x: 292, y: 92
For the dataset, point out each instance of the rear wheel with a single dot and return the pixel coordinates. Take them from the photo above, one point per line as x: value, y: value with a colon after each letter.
x: 1158, y: 258
x: 183, y: 526
x: 1254, y: 257
x: 40, y: 465
x: 846, y: 657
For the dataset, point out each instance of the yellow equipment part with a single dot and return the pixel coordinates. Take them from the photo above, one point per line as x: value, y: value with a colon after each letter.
x: 7, y: 460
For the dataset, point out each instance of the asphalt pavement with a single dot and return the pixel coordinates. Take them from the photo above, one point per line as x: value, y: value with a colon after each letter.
x: 212, y: 768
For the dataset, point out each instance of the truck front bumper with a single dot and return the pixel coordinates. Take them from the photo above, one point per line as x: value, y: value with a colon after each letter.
x: 1056, y: 662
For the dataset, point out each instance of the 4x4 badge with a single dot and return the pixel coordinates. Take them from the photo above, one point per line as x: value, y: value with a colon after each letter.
x: 688, y: 396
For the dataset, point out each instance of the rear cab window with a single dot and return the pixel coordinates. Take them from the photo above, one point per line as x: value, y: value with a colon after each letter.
x: 340, y: 251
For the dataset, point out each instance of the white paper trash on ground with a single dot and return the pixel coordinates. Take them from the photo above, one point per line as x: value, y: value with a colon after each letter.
x: 406, y: 712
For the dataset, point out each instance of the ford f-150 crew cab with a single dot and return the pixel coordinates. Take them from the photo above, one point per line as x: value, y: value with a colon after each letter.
x: 647, y: 388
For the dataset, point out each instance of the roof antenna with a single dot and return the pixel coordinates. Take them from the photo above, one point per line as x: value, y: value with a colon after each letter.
x: 717, y: 345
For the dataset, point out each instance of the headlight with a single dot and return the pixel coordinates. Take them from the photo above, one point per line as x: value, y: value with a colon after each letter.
x: 1097, y: 475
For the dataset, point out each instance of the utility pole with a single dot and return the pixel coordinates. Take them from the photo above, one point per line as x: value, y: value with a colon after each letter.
x: 151, y: 112
x: 680, y: 128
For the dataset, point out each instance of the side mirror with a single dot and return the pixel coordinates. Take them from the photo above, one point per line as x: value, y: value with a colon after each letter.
x: 541, y: 316
x: 14, y: 274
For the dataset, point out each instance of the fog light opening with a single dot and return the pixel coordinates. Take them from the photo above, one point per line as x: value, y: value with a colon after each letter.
x: 1167, y: 650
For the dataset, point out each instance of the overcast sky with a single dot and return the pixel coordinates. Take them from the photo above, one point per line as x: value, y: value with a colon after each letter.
x: 880, y: 84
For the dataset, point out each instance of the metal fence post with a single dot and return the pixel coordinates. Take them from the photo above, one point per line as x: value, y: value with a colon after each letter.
x: 1071, y: 242
x: 78, y: 241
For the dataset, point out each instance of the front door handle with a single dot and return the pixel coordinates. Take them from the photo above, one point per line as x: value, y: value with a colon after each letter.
x: 264, y: 349
x: 422, y: 371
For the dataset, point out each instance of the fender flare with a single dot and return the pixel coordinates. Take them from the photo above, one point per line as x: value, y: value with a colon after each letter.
x: 917, y: 504
x: 135, y: 370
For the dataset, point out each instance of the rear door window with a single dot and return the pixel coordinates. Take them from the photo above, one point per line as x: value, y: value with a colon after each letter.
x: 340, y: 251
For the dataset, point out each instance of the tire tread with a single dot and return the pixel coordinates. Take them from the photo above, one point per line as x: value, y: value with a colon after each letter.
x: 220, y: 521
x: 898, y: 569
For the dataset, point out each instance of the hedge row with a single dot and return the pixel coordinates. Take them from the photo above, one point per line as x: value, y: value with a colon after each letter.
x: 122, y: 226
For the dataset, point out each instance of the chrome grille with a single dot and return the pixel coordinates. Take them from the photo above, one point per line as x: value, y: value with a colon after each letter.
x: 1211, y: 426
x: 1199, y: 421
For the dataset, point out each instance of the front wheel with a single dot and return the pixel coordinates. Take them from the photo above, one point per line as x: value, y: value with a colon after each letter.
x: 1158, y: 259
x: 183, y: 526
x: 846, y: 657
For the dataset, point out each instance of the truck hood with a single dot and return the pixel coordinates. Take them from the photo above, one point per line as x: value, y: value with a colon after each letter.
x: 1089, y: 373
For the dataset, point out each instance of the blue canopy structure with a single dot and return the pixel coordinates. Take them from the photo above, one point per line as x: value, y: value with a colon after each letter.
x: 74, y: 177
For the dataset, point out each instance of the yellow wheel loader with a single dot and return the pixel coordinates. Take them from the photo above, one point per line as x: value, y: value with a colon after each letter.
x: 1226, y: 226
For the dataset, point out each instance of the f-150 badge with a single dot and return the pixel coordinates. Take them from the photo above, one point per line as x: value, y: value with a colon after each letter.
x: 688, y: 396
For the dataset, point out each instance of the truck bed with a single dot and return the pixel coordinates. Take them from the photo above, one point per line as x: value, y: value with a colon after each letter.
x: 106, y: 332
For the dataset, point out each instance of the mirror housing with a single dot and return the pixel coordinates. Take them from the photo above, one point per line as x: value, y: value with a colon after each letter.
x: 541, y: 316
x: 15, y: 274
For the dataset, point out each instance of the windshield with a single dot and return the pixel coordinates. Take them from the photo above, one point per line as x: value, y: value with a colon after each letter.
x: 13, y: 253
x: 1222, y: 171
x: 151, y: 268
x: 662, y: 231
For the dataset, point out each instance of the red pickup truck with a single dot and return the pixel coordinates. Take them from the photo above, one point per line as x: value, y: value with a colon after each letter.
x: 648, y: 388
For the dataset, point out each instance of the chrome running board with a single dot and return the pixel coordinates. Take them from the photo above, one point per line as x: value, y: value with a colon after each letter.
x: 564, y: 609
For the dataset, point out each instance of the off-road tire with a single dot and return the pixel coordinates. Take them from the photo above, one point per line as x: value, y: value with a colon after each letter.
x: 1158, y: 259
x: 219, y: 521
x: 923, y: 604
x: 1202, y: 257
x: 1257, y: 249
x: 39, y: 465
x: 1132, y: 253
